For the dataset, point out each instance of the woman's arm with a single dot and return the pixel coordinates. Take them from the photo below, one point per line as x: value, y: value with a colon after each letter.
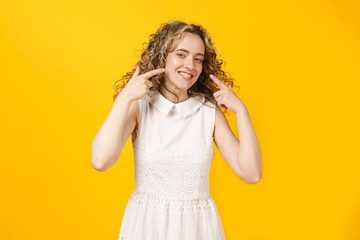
x: 121, y: 122
x: 243, y: 156
x: 113, y: 134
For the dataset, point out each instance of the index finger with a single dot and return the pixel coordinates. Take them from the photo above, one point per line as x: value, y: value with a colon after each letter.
x: 218, y: 82
x: 151, y: 73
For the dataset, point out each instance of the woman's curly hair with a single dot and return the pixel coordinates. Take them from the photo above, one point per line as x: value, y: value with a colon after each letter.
x: 154, y: 54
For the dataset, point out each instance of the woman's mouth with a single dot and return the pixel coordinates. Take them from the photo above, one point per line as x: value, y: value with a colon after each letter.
x: 185, y: 75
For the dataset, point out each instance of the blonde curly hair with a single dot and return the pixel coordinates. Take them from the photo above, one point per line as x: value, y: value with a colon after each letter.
x: 154, y: 54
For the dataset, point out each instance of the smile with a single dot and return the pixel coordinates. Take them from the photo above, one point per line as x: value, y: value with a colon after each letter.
x: 185, y: 75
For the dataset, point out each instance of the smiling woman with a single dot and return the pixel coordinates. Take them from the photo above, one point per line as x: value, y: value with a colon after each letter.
x: 170, y: 104
x: 183, y: 66
x: 169, y: 40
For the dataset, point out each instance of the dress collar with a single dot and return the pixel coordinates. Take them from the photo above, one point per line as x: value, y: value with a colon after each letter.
x: 165, y: 106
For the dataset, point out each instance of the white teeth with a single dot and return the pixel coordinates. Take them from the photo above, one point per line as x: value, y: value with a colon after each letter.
x: 185, y: 74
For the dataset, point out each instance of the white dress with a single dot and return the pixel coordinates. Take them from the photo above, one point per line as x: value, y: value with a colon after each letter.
x: 173, y: 153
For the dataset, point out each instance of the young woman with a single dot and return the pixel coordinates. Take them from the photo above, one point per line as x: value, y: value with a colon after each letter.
x: 170, y: 104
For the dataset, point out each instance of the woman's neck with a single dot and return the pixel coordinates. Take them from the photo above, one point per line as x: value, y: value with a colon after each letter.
x: 183, y: 95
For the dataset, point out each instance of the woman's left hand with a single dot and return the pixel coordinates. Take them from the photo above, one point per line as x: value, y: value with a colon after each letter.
x: 226, y: 98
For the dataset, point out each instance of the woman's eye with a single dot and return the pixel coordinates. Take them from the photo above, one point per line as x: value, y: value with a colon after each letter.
x: 198, y: 59
x: 180, y: 55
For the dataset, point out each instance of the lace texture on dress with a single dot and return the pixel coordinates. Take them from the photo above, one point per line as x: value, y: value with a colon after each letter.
x: 171, y: 174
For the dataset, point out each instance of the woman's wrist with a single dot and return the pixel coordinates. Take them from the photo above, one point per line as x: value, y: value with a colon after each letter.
x: 122, y: 99
x: 241, y: 108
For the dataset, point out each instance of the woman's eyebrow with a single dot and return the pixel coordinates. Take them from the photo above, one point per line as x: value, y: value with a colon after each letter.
x: 184, y: 50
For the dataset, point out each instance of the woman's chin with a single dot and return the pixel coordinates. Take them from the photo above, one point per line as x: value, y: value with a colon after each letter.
x: 185, y: 86
x: 181, y: 86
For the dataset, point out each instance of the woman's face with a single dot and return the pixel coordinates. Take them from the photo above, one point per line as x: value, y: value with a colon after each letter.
x: 183, y: 65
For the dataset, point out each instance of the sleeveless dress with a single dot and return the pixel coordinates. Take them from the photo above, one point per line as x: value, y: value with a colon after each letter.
x: 173, y: 153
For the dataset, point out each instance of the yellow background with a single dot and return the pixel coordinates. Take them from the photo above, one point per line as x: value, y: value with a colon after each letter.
x: 296, y: 62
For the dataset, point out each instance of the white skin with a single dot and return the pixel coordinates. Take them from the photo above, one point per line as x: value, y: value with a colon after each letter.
x: 187, y: 57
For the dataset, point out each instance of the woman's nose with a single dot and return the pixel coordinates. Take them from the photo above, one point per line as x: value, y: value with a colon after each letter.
x: 190, y: 63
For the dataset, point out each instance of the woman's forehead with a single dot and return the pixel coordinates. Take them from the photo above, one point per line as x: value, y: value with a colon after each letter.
x: 190, y: 42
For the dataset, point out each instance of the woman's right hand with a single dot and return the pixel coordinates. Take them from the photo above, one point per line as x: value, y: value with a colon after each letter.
x: 139, y: 85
